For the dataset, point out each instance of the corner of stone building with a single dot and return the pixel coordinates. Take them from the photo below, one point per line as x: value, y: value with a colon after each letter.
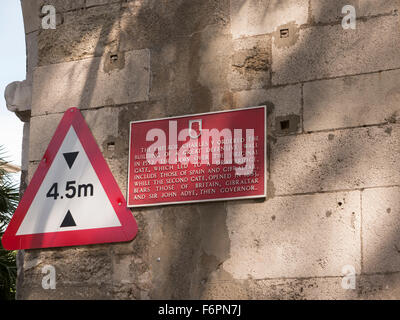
x: 332, y: 144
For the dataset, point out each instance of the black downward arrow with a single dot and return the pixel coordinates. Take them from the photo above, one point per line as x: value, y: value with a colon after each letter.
x: 70, y: 158
x: 68, y: 221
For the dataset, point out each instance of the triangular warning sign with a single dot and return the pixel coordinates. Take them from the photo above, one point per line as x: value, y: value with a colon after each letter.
x: 73, y: 198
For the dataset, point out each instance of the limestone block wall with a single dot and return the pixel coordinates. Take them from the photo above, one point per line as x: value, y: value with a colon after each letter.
x: 333, y: 172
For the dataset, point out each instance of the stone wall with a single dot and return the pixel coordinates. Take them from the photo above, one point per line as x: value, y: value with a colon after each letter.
x: 333, y: 174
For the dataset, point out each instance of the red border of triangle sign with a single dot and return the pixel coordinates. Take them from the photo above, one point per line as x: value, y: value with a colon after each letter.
x: 126, y: 232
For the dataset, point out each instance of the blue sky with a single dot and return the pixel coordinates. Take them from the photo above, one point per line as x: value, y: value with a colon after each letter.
x: 12, y: 68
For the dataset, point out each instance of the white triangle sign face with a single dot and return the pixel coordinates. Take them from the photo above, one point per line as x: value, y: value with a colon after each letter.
x: 76, y: 189
x: 73, y: 198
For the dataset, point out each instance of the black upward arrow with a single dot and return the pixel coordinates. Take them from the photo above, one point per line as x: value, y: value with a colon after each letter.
x: 68, y: 221
x: 70, y: 158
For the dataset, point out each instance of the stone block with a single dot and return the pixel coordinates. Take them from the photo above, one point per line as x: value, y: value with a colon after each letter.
x: 91, y: 3
x: 282, y: 101
x: 31, y: 14
x: 380, y: 230
x: 372, y: 287
x: 329, y: 51
x: 83, y: 33
x: 215, y: 46
x: 41, y: 131
x: 225, y: 290
x: 92, y: 83
x: 103, y: 124
x: 25, y: 147
x: 342, y: 159
x: 300, y: 289
x: 119, y: 169
x: 32, y: 166
x: 251, y: 63
x: 173, y: 64
x: 31, y: 41
x: 294, y: 236
x: 147, y: 23
x: 327, y: 11
x: 91, y: 266
x: 352, y: 101
x: 73, y: 291
x: 62, y: 5
x: 254, y: 17
x: 121, y: 269
x: 314, y: 288
x: 87, y: 266
x: 379, y: 286
x: 32, y: 11
x: 196, y: 69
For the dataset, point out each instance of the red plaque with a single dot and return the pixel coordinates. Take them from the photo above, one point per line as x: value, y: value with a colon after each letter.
x: 202, y: 157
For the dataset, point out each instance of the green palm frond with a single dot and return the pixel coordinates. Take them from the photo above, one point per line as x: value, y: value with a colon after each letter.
x: 9, y: 197
x: 8, y: 274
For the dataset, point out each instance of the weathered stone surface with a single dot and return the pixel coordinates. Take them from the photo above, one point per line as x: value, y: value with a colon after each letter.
x: 180, y: 271
x: 380, y: 230
x: 196, y: 70
x: 214, y: 55
x: 83, y: 34
x: 74, y: 267
x: 32, y: 166
x: 41, y: 131
x: 330, y: 51
x: 225, y: 290
x: 32, y: 11
x: 352, y: 101
x: 325, y: 11
x: 128, y: 26
x: 24, y: 159
x: 25, y: 147
x: 281, y: 101
x: 251, y: 63
x: 367, y: 287
x: 217, y: 55
x: 152, y: 23
x: 91, y: 83
x: 254, y: 17
x: 379, y: 287
x: 170, y: 64
x: 119, y: 169
x: 31, y: 54
x: 121, y: 269
x: 103, y: 124
x: 31, y: 14
x: 88, y: 265
x: 343, y: 159
x: 73, y: 291
x: 62, y: 5
x: 294, y: 236
x: 300, y: 289
x: 91, y: 3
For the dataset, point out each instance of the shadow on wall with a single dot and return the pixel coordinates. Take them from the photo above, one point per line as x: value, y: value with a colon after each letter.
x: 193, y: 241
x: 184, y: 232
